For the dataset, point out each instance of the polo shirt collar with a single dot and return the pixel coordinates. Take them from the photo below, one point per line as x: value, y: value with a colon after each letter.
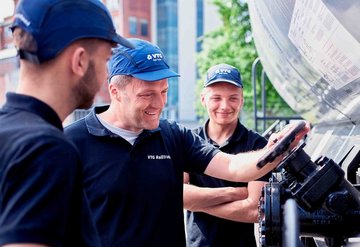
x: 93, y: 124
x: 235, y: 137
x: 31, y: 104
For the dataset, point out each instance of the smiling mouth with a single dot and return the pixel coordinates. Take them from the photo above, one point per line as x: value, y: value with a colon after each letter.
x: 150, y: 113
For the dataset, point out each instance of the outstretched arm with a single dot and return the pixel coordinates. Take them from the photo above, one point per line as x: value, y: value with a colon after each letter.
x: 242, y: 167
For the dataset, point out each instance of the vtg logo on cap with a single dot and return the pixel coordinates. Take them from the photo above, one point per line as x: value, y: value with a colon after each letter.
x: 223, y: 71
x: 145, y: 62
x: 155, y: 57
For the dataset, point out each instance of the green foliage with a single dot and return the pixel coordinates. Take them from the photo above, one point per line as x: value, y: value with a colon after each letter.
x: 233, y: 44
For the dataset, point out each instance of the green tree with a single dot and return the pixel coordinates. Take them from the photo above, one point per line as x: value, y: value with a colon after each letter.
x: 233, y: 44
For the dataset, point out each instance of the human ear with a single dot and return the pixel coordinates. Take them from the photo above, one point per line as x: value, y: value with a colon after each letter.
x: 114, y: 92
x: 203, y: 99
x: 79, y: 61
x: 242, y: 101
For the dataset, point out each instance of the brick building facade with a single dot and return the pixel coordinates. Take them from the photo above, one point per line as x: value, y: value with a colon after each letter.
x: 131, y: 18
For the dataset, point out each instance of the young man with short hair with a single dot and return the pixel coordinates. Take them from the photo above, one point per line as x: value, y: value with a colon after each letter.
x: 220, y: 212
x: 63, y: 47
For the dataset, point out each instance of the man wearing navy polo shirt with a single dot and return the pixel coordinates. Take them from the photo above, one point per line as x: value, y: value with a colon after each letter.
x: 134, y: 163
x: 63, y: 46
x: 220, y: 212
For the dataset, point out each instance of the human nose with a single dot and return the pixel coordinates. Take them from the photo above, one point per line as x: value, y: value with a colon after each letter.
x: 159, y: 100
x: 224, y: 104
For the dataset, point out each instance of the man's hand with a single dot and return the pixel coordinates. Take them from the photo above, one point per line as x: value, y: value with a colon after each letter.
x: 283, y: 141
x: 276, y: 137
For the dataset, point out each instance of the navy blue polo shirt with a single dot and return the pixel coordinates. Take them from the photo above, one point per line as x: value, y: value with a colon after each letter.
x: 207, y: 230
x: 136, y: 191
x: 40, y: 176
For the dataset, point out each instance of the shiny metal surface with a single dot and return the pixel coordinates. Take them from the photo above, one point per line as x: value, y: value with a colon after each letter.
x: 311, y: 52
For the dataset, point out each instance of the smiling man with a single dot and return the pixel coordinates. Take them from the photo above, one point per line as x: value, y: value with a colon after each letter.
x: 220, y: 212
x: 134, y: 162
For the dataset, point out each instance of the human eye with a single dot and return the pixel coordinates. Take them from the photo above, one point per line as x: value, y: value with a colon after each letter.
x: 146, y: 95
x: 215, y: 98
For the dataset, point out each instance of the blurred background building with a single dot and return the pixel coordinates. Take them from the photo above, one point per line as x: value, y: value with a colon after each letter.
x: 174, y: 25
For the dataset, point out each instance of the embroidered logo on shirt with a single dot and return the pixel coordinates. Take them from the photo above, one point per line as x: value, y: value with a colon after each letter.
x: 159, y: 157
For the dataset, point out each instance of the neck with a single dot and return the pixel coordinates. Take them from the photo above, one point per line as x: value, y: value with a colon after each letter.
x: 48, y: 89
x: 220, y: 133
x: 113, y: 116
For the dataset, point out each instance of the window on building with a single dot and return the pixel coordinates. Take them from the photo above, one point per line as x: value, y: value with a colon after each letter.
x: 132, y: 25
x: 144, y: 26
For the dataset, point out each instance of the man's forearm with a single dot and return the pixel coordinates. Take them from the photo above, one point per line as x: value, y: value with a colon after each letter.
x: 241, y: 211
x: 240, y: 167
x: 199, y: 198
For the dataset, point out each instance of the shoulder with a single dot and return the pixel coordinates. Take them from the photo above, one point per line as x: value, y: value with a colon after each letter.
x: 257, y: 136
x: 254, y: 138
x: 198, y: 130
x: 75, y: 127
x: 33, y: 131
x: 44, y: 152
x: 41, y: 134
x: 171, y: 126
x: 37, y: 145
x: 50, y: 141
x: 176, y: 131
x: 87, y: 126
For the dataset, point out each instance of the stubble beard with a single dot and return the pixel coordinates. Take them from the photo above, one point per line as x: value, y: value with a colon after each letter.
x: 86, y: 90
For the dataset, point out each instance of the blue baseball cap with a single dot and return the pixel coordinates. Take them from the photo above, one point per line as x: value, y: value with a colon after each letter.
x: 223, y: 73
x: 145, y: 62
x: 55, y: 24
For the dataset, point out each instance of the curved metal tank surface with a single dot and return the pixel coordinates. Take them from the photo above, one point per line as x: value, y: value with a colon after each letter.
x: 311, y: 52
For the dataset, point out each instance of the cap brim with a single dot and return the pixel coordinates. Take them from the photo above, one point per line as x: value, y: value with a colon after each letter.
x: 156, y: 75
x: 223, y: 80
x: 122, y: 41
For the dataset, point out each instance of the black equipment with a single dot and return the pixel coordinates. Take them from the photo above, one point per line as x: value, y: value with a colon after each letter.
x: 327, y: 205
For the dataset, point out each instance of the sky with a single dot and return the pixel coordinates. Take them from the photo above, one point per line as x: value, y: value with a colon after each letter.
x: 6, y: 8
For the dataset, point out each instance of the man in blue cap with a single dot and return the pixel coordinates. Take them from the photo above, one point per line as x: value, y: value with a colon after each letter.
x: 133, y: 162
x: 220, y: 212
x: 63, y: 47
